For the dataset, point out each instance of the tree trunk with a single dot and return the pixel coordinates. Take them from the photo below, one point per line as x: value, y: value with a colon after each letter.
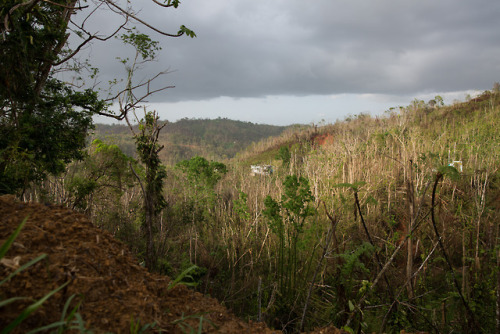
x: 498, y: 293
x: 410, y: 188
x: 149, y: 213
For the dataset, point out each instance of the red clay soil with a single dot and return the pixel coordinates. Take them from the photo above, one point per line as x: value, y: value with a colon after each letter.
x: 106, y: 278
x: 322, y: 139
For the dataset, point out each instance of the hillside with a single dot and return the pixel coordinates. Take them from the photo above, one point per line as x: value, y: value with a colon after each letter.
x: 215, y: 139
x: 110, y: 291
x: 371, y: 224
x: 463, y: 123
x: 393, y: 163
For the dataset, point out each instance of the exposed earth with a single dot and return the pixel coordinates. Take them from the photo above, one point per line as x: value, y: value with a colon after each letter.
x: 112, y: 288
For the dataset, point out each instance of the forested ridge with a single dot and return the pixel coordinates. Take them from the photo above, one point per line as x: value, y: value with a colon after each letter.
x: 382, y: 223
x: 215, y: 139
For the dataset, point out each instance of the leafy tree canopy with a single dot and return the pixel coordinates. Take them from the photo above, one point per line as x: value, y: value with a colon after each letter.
x: 199, y: 169
x: 43, y: 120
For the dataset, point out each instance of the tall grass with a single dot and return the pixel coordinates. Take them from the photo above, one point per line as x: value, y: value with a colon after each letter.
x: 251, y: 262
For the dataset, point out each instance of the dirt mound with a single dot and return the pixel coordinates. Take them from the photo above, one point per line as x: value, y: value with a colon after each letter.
x: 112, y: 287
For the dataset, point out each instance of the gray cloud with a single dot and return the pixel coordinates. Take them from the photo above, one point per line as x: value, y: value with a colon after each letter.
x: 321, y: 47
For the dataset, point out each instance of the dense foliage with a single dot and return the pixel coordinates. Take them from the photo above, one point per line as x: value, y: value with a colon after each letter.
x: 44, y: 120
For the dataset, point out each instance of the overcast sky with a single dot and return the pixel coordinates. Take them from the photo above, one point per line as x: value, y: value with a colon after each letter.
x: 289, y: 61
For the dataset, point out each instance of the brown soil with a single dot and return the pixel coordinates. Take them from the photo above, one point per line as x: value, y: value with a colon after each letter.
x: 322, y: 139
x: 110, y: 284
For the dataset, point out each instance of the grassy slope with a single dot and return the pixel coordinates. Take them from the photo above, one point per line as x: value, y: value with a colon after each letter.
x: 397, y: 156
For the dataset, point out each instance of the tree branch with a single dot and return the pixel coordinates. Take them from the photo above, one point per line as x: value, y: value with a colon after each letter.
x: 379, y: 265
x: 138, y: 178
x: 64, y: 6
x: 441, y: 245
x: 90, y: 38
x: 162, y: 4
x: 129, y: 14
x: 328, y: 240
x: 7, y: 16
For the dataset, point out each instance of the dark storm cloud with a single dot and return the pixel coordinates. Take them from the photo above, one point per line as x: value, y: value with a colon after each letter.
x: 322, y: 47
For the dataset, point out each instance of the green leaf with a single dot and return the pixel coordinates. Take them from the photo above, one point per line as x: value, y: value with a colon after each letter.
x: 11, y: 300
x: 57, y: 324
x: 371, y: 200
x: 449, y: 171
x: 351, y: 306
x: 183, y: 275
x: 30, y: 309
x: 348, y: 329
x: 354, y: 186
x: 65, y: 309
x: 184, y: 30
x: 24, y: 266
x: 5, y: 247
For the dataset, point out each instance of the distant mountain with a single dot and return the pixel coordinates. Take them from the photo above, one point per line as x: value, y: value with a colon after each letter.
x: 215, y: 139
